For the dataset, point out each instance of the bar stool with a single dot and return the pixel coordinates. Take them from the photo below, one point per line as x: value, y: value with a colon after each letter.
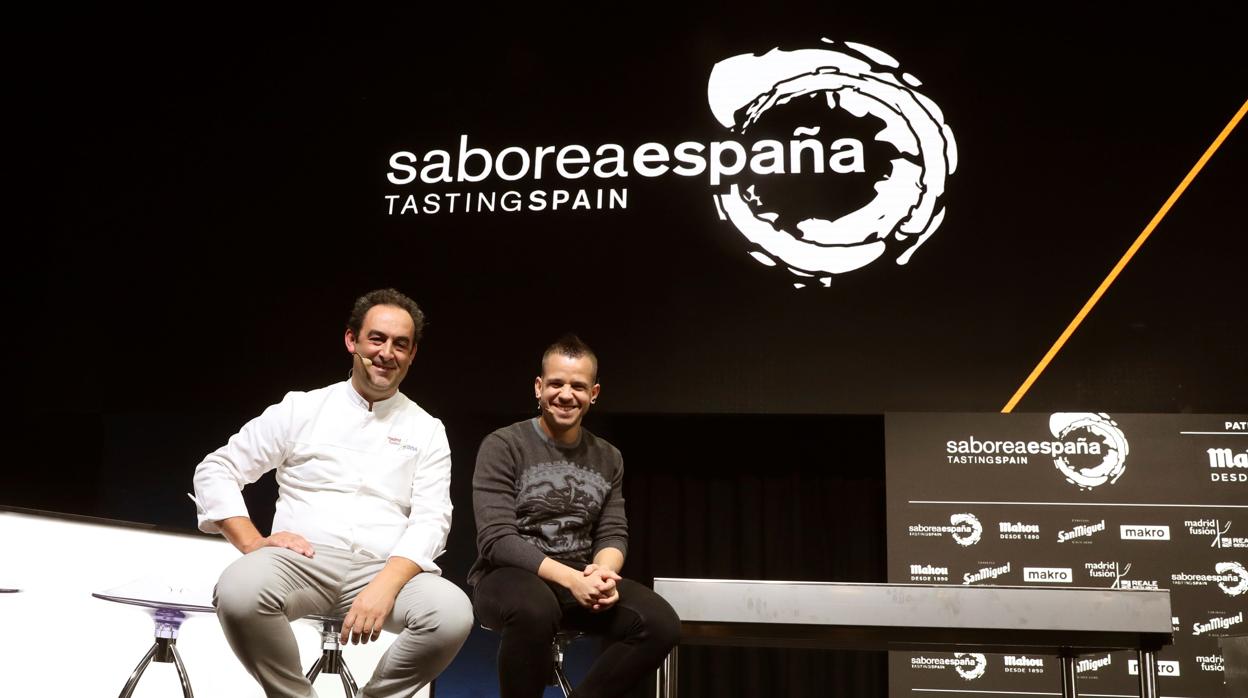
x: 558, y: 646
x: 331, y: 661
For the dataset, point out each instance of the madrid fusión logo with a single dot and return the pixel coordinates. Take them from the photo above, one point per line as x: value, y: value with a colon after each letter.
x: 804, y: 93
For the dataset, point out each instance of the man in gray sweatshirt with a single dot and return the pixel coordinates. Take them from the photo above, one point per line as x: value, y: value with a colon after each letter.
x: 551, y: 540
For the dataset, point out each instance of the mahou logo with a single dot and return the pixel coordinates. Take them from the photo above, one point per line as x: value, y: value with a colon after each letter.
x: 806, y: 93
x: 1106, y: 464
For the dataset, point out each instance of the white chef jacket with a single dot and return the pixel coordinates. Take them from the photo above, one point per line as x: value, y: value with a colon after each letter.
x: 374, y: 481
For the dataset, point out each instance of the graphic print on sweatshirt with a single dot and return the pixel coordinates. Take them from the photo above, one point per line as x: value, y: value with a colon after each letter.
x: 557, y: 507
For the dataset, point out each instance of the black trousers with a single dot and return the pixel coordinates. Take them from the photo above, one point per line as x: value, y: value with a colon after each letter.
x: 641, y: 629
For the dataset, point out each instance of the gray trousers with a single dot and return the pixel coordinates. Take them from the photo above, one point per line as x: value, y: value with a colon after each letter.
x: 260, y: 593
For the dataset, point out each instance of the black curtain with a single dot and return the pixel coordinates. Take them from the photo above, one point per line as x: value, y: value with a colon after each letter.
x: 770, y: 497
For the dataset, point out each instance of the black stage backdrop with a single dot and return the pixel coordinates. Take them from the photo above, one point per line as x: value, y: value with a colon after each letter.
x: 199, y: 198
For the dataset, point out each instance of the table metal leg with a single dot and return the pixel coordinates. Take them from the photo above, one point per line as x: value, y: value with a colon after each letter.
x: 1068, y: 675
x: 138, y: 672
x: 665, y: 677
x: 1147, y: 670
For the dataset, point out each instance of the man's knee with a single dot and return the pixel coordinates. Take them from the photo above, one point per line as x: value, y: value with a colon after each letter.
x: 440, y: 607
x: 243, y: 589
x: 518, y: 601
x: 533, y: 614
x: 657, y: 620
x: 663, y: 626
x: 454, y: 614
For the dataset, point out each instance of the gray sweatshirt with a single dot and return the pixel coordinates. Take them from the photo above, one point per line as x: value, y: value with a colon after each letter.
x: 534, y: 498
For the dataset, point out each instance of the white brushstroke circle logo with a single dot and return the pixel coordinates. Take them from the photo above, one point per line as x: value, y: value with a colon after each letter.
x: 1069, y: 426
x: 1232, y: 569
x: 972, y: 666
x: 967, y: 529
x: 862, y: 82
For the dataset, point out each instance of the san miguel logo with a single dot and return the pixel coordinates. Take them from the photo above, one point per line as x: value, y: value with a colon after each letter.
x: 831, y: 160
x: 1081, y: 532
x: 1217, y: 623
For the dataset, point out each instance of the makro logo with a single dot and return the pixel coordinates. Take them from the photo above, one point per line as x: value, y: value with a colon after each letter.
x: 969, y: 665
x: 965, y: 529
x: 1089, y: 665
x: 1013, y: 530
x: 796, y: 121
x: 1048, y: 575
x: 1143, y: 532
x: 1217, y: 529
x: 1080, y: 531
x: 1217, y: 623
x: 1107, y: 463
x: 1164, y: 668
x: 1222, y: 459
x: 985, y: 573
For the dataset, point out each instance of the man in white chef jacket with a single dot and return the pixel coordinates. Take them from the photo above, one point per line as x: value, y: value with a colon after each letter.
x: 363, y: 509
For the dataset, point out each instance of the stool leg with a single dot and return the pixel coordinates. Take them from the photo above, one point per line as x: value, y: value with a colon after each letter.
x: 562, y: 678
x: 315, y: 670
x: 128, y: 689
x: 348, y: 681
x: 186, y: 680
x: 556, y: 661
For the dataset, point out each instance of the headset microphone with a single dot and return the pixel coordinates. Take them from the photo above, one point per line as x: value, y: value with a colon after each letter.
x: 367, y: 361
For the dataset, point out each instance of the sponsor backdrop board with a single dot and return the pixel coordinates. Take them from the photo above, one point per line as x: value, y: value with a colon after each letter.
x: 1131, y: 501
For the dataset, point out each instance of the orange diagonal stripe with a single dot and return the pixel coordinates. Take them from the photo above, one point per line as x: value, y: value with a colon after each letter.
x: 1122, y: 263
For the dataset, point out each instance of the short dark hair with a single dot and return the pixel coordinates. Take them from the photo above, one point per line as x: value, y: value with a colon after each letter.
x: 385, y: 296
x: 573, y: 347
